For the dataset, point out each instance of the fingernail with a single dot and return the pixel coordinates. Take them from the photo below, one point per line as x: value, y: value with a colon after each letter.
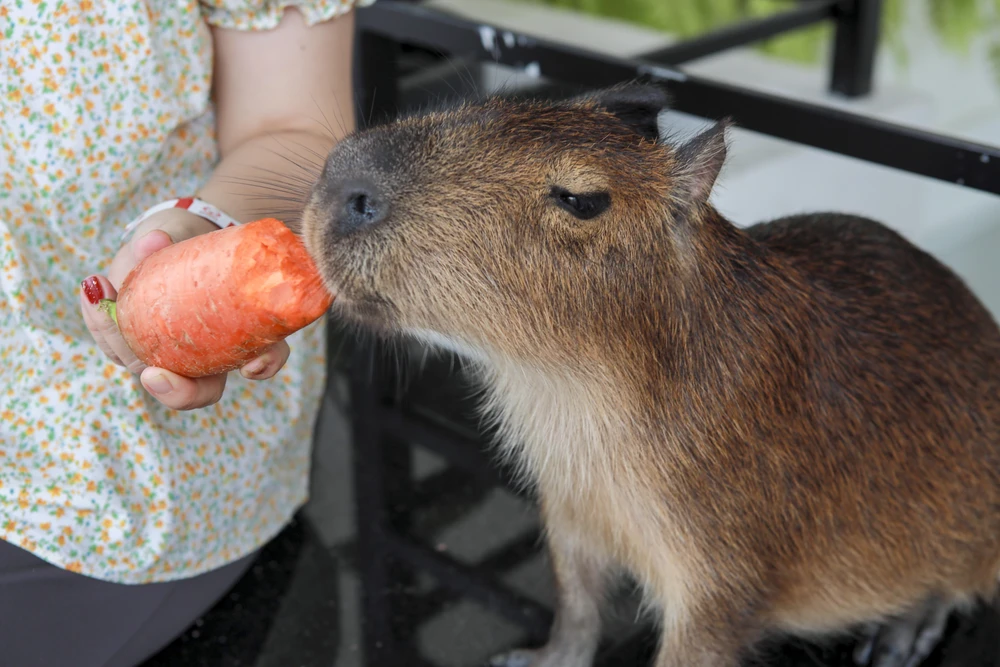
x: 255, y: 367
x: 159, y: 384
x: 92, y: 290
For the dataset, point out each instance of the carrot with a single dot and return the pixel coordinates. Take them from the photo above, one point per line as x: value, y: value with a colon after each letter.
x: 209, y: 304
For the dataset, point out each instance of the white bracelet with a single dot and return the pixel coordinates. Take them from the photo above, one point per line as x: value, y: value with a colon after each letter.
x: 192, y: 205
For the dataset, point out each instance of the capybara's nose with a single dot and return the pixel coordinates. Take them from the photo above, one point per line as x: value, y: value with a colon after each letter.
x: 361, y: 206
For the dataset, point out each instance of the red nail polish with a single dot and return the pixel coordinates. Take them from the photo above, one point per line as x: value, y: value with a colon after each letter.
x: 92, y: 290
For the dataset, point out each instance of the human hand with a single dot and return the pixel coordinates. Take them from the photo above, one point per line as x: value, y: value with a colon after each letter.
x: 174, y: 391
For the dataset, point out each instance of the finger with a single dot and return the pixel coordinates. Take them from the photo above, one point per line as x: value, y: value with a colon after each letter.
x: 268, y: 364
x: 146, y: 245
x: 134, y: 252
x: 102, y: 327
x: 97, y: 328
x: 181, y: 393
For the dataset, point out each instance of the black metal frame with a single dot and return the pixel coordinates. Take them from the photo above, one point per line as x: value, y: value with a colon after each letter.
x: 385, y: 422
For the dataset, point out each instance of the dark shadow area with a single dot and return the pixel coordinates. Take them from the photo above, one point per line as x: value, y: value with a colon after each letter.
x: 284, y: 611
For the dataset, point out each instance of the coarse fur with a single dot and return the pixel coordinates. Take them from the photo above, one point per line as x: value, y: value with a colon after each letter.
x: 788, y: 428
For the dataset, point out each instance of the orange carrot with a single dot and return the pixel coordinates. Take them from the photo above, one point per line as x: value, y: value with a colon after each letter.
x: 209, y: 304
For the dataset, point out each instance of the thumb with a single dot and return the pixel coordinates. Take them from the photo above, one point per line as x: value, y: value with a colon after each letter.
x: 147, y: 244
x: 134, y: 252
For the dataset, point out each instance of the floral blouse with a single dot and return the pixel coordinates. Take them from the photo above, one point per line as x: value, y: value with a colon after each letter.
x: 104, y: 112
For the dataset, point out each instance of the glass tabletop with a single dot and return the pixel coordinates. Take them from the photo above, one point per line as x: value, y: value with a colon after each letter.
x: 943, y: 57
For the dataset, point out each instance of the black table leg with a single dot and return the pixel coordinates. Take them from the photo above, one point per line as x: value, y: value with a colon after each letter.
x: 855, y: 45
x: 377, y: 73
x: 378, y: 640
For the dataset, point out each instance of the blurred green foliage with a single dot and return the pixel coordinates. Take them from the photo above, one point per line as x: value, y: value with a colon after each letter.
x: 956, y: 22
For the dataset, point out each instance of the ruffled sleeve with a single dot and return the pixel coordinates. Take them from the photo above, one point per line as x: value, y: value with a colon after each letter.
x: 266, y: 14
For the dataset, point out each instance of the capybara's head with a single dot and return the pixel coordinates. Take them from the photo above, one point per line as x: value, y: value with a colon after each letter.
x: 535, y: 230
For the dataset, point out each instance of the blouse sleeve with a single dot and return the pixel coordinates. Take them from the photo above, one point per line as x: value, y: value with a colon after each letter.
x: 266, y: 14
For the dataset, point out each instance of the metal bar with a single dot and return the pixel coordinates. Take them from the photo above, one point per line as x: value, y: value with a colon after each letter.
x: 378, y: 639
x: 377, y: 64
x: 458, y: 450
x: 471, y: 582
x: 855, y: 46
x: 744, y: 32
x: 377, y: 82
x: 907, y: 149
x: 443, y: 485
x: 502, y: 561
x: 910, y: 150
x: 397, y: 484
x: 455, y: 35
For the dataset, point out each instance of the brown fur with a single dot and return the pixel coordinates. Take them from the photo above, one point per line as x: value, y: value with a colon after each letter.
x: 787, y: 428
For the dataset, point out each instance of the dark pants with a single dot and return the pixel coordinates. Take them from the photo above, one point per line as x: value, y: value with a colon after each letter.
x: 50, y: 617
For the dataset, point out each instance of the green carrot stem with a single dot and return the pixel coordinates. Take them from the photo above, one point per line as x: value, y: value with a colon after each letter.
x: 110, y: 307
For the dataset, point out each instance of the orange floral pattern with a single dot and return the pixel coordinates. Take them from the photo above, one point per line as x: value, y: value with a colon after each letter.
x: 104, y: 112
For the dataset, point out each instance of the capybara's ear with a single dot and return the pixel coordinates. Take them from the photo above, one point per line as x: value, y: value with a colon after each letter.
x: 700, y: 160
x: 638, y: 105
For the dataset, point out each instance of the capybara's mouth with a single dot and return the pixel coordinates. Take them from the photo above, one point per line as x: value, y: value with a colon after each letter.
x: 369, y: 311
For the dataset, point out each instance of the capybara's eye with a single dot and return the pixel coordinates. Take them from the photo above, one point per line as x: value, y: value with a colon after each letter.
x: 584, y: 205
